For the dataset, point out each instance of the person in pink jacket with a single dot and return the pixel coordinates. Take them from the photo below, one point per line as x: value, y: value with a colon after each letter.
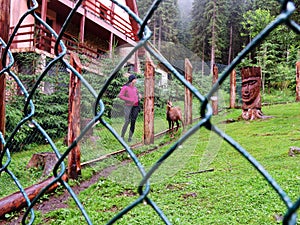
x: 129, y: 94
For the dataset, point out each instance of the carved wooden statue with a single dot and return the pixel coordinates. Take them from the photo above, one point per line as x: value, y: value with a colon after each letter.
x: 251, y: 83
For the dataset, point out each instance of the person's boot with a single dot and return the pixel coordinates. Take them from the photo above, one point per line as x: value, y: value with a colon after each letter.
x: 122, y: 135
x: 130, y: 136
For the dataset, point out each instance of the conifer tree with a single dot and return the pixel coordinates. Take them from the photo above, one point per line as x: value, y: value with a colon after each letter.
x: 165, y: 21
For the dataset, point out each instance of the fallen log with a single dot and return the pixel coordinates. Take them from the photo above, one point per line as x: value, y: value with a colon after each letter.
x: 16, y: 201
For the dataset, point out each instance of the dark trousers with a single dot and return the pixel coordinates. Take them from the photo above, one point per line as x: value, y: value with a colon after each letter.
x: 130, y: 114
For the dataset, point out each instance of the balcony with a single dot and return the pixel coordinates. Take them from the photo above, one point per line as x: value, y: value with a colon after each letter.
x: 33, y: 36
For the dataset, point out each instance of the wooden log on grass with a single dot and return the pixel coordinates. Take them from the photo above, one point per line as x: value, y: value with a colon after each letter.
x: 16, y: 201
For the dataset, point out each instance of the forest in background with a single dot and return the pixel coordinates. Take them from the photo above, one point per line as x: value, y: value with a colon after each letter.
x: 215, y: 31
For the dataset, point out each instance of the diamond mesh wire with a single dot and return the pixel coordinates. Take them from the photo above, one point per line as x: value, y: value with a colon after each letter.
x: 144, y: 35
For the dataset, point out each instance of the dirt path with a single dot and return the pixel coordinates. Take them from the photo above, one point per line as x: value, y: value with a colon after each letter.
x: 60, y: 201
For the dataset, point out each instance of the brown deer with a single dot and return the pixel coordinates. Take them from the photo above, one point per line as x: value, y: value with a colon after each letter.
x: 174, y: 115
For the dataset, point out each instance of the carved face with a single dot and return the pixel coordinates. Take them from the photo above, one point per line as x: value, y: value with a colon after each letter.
x: 250, y: 90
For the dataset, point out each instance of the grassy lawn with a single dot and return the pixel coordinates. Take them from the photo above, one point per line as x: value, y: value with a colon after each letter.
x: 233, y: 193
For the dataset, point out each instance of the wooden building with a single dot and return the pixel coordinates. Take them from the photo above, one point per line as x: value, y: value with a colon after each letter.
x: 97, y: 27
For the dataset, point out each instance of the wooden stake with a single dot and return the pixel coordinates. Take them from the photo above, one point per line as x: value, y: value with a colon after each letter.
x: 188, y: 94
x: 149, y: 103
x: 232, y: 89
x: 214, y: 98
x: 4, y: 27
x: 74, y: 168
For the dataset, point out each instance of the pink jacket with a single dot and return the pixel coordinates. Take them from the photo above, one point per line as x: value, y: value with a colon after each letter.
x: 130, y: 95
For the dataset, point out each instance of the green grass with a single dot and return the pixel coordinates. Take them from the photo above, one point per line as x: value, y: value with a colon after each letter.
x: 233, y: 193
x: 17, y: 165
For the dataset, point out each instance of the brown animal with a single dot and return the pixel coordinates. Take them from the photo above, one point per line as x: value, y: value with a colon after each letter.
x: 174, y: 115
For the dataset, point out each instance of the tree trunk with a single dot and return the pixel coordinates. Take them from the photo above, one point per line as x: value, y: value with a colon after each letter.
x: 159, y: 34
x: 202, y: 68
x: 230, y: 45
x: 213, y: 39
x: 154, y: 32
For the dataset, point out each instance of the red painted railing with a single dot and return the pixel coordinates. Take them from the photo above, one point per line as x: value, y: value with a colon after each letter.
x: 32, y: 36
x: 97, y: 8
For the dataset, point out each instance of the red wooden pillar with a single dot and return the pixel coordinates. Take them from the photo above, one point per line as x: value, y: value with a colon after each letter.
x: 74, y: 167
x: 188, y: 104
x: 232, y: 89
x: 4, y: 27
x: 298, y: 81
x: 149, y: 103
x: 214, y: 98
x: 44, y: 10
x: 42, y: 33
x: 82, y: 26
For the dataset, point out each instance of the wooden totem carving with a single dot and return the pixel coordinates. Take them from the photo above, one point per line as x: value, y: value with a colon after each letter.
x: 251, y: 83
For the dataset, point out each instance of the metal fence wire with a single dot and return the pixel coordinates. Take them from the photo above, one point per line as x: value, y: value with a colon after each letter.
x: 144, y: 34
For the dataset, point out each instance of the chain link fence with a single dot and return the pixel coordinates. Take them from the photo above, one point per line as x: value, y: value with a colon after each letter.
x: 36, y: 93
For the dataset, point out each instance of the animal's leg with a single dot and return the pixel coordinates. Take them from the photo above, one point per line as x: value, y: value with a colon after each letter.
x: 177, y: 125
x: 172, y: 129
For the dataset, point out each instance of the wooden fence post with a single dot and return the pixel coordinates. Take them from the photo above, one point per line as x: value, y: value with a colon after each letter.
x: 298, y: 81
x: 232, y: 89
x: 188, y: 104
x: 149, y: 103
x: 74, y: 167
x: 4, y: 27
x: 214, y: 98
